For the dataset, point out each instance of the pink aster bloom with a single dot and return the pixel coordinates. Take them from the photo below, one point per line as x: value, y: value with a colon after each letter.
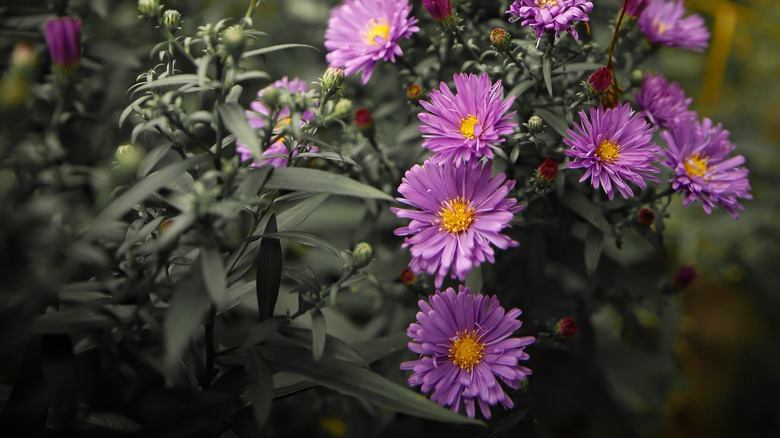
x: 663, y: 102
x: 698, y: 155
x: 460, y: 213
x: 468, y: 124
x: 663, y: 23
x: 258, y: 117
x: 555, y: 15
x: 361, y: 32
x: 615, y: 147
x: 466, y: 349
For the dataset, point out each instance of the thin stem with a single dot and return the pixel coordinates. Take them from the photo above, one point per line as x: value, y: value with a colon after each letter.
x: 209, y: 372
x: 612, y: 44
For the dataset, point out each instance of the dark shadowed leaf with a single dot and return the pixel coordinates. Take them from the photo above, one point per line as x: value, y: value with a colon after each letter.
x: 594, y: 243
x: 269, y: 271
x: 318, y: 334
x: 333, y: 347
x: 376, y: 349
x: 188, y: 306
x: 261, y: 388
x: 293, y: 216
x: 558, y: 122
x: 213, y: 269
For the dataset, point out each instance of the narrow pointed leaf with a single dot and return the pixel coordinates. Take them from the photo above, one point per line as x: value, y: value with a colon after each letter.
x: 317, y: 334
x: 234, y: 118
x: 546, y: 67
x: 594, y: 243
x: 269, y: 271
x: 558, y: 122
x: 261, y: 388
x: 299, y: 178
x: 188, y: 307
x: 213, y: 269
x: 276, y: 48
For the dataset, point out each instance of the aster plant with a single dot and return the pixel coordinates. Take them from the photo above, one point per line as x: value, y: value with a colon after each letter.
x: 467, y: 348
x: 663, y: 102
x: 550, y: 15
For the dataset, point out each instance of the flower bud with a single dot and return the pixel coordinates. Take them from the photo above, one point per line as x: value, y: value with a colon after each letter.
x: 363, y: 119
x: 440, y: 10
x: 233, y: 40
x: 637, y: 77
x: 128, y: 157
x: 172, y: 20
x: 566, y: 327
x: 499, y: 38
x: 635, y: 7
x: 332, y: 79
x: 599, y: 81
x: 23, y: 57
x: 646, y: 216
x: 547, y: 170
x: 535, y: 125
x: 413, y: 91
x: 270, y: 97
x: 684, y: 276
x: 63, y: 37
x: 407, y: 277
x: 343, y: 107
x: 149, y: 8
x: 362, y: 254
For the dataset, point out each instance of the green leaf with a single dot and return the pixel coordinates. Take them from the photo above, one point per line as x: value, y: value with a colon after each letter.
x: 304, y: 238
x: 578, y: 203
x: 213, y: 270
x: 333, y: 347
x: 261, y: 388
x: 594, y: 244
x: 188, y: 307
x: 299, y: 178
x: 292, y: 217
x: 376, y: 349
x: 318, y: 334
x: 141, y: 190
x: 251, y: 75
x: 269, y: 271
x: 521, y: 88
x: 236, y: 294
x: 235, y: 120
x: 557, y: 121
x: 132, y: 107
x: 359, y: 382
x: 276, y: 48
x: 264, y: 330
x: 576, y: 67
x: 546, y: 66
x: 182, y: 79
x: 151, y: 159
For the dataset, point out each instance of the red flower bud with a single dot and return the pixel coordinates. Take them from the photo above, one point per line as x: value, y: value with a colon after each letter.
x: 363, y: 118
x: 635, y: 7
x: 499, y: 38
x: 440, y: 10
x: 548, y: 169
x: 646, y: 216
x: 413, y: 91
x: 600, y: 80
x: 566, y: 327
x: 408, y: 277
x: 63, y: 36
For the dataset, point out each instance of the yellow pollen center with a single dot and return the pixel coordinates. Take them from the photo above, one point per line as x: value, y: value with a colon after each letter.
x: 377, y: 29
x: 546, y: 3
x: 467, y: 127
x: 466, y: 350
x: 608, y: 151
x: 696, y: 165
x: 456, y: 215
x: 660, y: 26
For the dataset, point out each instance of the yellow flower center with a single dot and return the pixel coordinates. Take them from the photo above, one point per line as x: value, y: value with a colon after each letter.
x: 660, y: 26
x: 466, y: 350
x: 467, y: 127
x: 696, y: 165
x: 456, y: 215
x: 608, y: 151
x: 377, y: 29
x: 546, y: 3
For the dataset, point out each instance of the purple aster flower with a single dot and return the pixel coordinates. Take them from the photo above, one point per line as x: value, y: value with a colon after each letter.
x: 259, y: 115
x: 462, y: 209
x: 466, y: 350
x: 634, y: 8
x: 615, y: 147
x: 663, y: 23
x: 440, y: 10
x: 361, y: 32
x: 467, y: 124
x: 698, y: 156
x: 63, y: 37
x: 663, y: 102
x: 556, y: 15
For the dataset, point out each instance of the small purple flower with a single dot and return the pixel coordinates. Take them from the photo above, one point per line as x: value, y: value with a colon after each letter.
x: 468, y: 124
x: 258, y: 117
x: 698, y: 155
x: 663, y: 102
x: 63, y: 36
x: 462, y: 210
x: 615, y: 146
x: 557, y: 15
x: 466, y: 349
x: 663, y: 23
x: 361, y: 32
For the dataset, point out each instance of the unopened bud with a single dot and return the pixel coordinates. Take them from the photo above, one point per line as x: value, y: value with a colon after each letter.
x: 440, y: 10
x: 332, y: 79
x: 646, y: 216
x: 23, y: 57
x: 363, y: 119
x: 172, y: 20
x: 413, y: 91
x: 128, y: 157
x: 270, y: 97
x: 499, y: 38
x: 407, y: 277
x: 535, y: 125
x: 149, y: 8
x: 600, y: 80
x: 233, y: 40
x: 637, y: 76
x: 343, y: 107
x: 566, y: 327
x: 362, y: 254
x: 548, y: 170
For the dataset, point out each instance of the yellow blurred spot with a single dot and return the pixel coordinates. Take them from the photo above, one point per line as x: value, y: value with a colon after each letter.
x: 335, y: 426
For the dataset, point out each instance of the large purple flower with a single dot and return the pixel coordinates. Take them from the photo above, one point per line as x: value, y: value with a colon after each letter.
x: 466, y: 350
x: 467, y: 124
x: 63, y: 37
x: 615, y: 147
x: 663, y: 23
x: 259, y: 116
x: 361, y: 32
x: 462, y: 210
x: 556, y: 15
x: 663, y: 102
x: 698, y: 155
